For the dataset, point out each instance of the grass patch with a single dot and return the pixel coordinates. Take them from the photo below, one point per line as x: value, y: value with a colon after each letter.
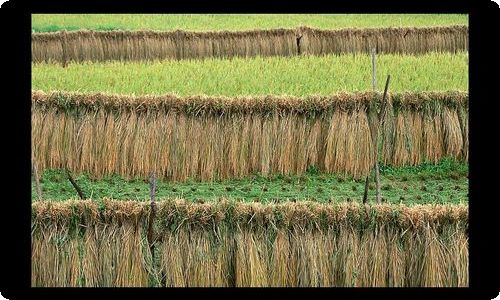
x: 321, y: 187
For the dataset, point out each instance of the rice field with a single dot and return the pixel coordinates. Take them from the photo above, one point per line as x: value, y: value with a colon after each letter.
x: 260, y: 159
x: 219, y: 22
x: 298, y: 76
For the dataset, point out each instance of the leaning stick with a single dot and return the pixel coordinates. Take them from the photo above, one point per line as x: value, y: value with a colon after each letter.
x: 380, y: 116
x: 75, y: 185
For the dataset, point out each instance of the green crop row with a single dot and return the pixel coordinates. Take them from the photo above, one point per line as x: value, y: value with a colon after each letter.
x: 445, y: 182
x: 298, y: 76
x: 204, y: 22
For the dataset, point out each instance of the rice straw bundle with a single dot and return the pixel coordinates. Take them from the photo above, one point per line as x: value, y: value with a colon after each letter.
x: 95, y: 46
x: 409, y: 40
x: 213, y: 138
x: 83, y: 243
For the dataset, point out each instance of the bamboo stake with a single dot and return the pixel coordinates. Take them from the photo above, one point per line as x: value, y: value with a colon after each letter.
x: 377, y: 173
x: 374, y: 87
x: 374, y: 71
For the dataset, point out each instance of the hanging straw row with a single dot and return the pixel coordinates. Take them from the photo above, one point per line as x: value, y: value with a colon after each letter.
x: 226, y: 244
x: 410, y: 40
x: 217, y: 138
x: 148, y: 45
x: 81, y: 46
x: 425, y: 129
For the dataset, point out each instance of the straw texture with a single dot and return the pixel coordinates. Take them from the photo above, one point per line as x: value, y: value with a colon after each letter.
x: 94, y: 46
x: 213, y: 138
x: 225, y: 244
x: 409, y: 40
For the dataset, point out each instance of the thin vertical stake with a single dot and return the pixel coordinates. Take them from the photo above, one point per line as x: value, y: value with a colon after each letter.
x: 374, y: 87
x: 152, y: 193
x: 380, y: 116
x: 374, y: 71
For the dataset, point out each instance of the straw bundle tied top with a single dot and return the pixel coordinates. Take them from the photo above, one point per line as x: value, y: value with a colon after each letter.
x: 224, y: 243
x: 218, y: 137
x: 81, y: 46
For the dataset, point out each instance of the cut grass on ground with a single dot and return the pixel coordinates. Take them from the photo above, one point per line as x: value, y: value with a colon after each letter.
x: 445, y: 182
x: 206, y: 22
x: 298, y: 76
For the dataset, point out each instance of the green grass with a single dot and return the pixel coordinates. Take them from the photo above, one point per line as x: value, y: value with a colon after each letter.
x: 445, y: 182
x: 204, y: 22
x: 301, y: 75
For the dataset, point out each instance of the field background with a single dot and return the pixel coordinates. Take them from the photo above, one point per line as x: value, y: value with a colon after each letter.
x: 55, y: 22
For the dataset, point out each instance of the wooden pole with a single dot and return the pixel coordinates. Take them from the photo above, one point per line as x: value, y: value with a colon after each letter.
x: 374, y: 87
x: 75, y: 185
x: 298, y: 44
x: 64, y: 48
x: 365, y: 195
x: 152, y: 213
x: 37, y: 181
x: 377, y: 174
x: 374, y: 71
x: 380, y: 116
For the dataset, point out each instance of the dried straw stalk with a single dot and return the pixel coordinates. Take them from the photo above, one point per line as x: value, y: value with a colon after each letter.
x: 225, y: 244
